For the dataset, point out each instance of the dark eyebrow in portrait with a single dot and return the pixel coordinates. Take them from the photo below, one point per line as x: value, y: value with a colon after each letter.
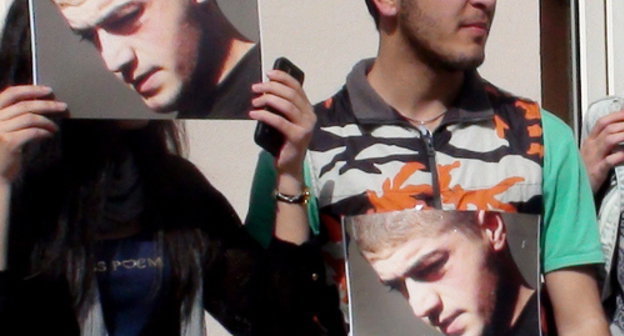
x: 119, y: 19
x: 425, y: 268
x: 123, y: 17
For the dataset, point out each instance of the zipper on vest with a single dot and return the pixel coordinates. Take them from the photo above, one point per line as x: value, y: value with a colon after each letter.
x: 428, y: 139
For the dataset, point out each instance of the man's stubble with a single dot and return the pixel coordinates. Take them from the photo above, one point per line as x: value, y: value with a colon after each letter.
x: 418, y: 29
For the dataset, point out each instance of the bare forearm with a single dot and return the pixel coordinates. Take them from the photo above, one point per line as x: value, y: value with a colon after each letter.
x: 291, y: 220
x: 576, y: 302
x: 595, y: 327
x: 23, y: 119
x: 295, y: 121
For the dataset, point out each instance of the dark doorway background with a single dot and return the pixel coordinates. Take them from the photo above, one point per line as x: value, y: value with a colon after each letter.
x: 556, y: 58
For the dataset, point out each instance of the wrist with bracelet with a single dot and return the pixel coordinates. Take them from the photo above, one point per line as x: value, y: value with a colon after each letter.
x: 301, y: 198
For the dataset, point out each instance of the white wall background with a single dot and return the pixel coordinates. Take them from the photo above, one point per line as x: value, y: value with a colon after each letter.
x: 513, y: 50
x: 592, y: 51
x: 601, y: 49
x: 615, y: 46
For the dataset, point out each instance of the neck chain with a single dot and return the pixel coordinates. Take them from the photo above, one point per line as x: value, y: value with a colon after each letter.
x: 426, y: 121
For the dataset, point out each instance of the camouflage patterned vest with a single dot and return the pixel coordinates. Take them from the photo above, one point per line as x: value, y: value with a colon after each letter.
x: 487, y: 154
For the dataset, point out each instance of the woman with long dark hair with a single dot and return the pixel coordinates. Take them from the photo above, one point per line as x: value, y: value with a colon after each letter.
x: 106, y: 230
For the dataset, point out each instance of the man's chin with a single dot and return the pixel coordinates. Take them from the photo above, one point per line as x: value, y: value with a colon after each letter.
x: 160, y: 106
x: 462, y: 62
x: 466, y: 330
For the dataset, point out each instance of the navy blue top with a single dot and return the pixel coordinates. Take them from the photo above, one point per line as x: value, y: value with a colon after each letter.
x: 133, y: 279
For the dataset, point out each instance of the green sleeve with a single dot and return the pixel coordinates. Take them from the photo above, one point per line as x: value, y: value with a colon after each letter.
x: 569, y: 234
x: 261, y: 215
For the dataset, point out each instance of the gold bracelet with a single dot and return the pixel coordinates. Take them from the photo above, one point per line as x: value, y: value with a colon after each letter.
x: 302, y: 198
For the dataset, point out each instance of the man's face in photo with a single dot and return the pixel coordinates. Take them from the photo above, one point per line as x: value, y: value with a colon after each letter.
x: 449, y: 34
x: 151, y: 45
x: 447, y: 278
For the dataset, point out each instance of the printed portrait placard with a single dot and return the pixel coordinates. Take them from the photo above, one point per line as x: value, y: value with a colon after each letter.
x: 148, y: 59
x: 435, y: 272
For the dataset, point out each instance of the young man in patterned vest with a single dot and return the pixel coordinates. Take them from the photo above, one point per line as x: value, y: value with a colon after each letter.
x: 418, y: 128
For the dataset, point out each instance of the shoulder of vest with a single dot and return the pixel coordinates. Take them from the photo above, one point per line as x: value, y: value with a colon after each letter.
x: 509, y: 106
x: 335, y: 109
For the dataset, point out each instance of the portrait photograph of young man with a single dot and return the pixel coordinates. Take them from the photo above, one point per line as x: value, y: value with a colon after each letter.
x: 458, y: 272
x: 183, y: 59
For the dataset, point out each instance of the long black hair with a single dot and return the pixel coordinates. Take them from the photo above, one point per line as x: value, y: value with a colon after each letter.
x: 15, y: 59
x: 57, y: 203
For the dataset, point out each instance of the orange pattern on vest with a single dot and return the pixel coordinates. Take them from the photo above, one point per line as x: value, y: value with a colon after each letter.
x: 500, y: 126
x: 535, y: 131
x: 536, y: 149
x: 328, y: 103
x: 395, y: 196
x: 531, y: 109
x: 532, y: 112
x: 481, y: 199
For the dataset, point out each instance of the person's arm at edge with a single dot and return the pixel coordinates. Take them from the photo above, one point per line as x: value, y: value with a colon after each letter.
x: 597, y: 149
x: 261, y: 215
x: 576, y: 301
x: 291, y: 252
x: 21, y: 121
x: 286, y: 95
x: 570, y: 279
x: 22, y: 110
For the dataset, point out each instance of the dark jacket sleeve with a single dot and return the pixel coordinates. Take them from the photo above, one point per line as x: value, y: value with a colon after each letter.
x: 258, y: 291
x: 250, y: 290
x: 35, y: 306
x: 306, y: 304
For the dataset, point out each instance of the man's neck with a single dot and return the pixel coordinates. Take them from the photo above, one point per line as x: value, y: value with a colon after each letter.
x: 222, y: 42
x: 219, y: 55
x: 237, y: 49
x: 415, y: 89
x: 524, y: 295
x: 513, y: 294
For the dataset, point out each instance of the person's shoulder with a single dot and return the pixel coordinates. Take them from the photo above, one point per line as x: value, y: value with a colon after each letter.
x: 182, y: 169
x: 355, y: 81
x: 555, y: 129
x: 554, y: 122
x: 335, y: 110
x: 336, y: 101
x: 179, y: 181
x: 499, y: 97
x: 496, y: 92
x: 184, y: 195
x: 512, y: 107
x: 531, y: 108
